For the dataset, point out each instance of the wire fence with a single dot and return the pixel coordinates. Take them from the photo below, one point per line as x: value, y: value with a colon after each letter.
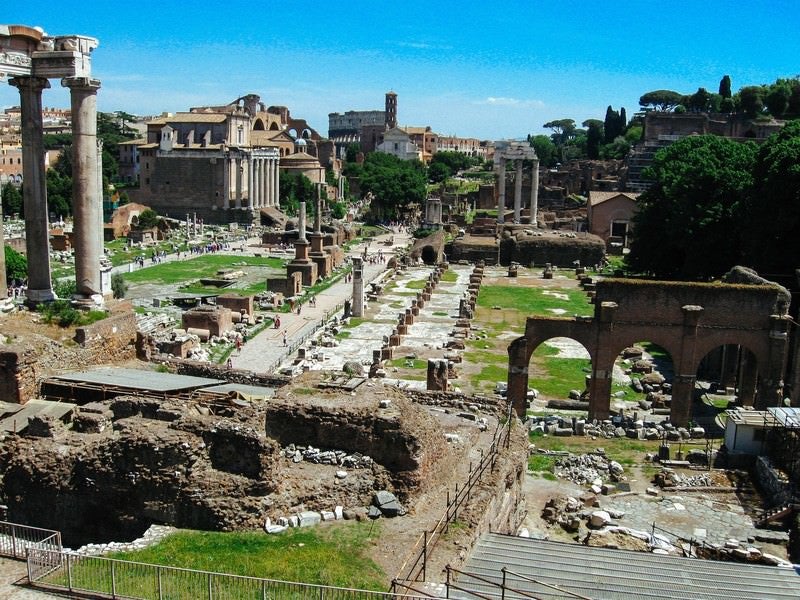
x: 106, y: 577
x: 15, y: 539
x: 415, y: 567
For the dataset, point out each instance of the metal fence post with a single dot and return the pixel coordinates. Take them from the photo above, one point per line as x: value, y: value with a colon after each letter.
x: 210, y: 595
x: 424, y: 554
x: 113, y: 581
x: 503, y: 586
x: 69, y: 573
x: 447, y: 582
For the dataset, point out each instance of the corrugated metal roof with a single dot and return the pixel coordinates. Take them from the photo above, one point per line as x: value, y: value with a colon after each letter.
x: 786, y: 416
x: 606, y: 574
x: 136, y: 379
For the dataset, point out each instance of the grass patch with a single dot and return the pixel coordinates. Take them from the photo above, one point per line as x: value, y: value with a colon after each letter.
x: 205, y: 266
x: 332, y: 555
x: 538, y: 463
x: 534, y: 301
x: 449, y: 276
x: 343, y: 335
x: 624, y: 450
x: 61, y: 312
x: 559, y: 375
x: 416, y: 284
x: 409, y: 363
x: 490, y: 374
x: 355, y: 322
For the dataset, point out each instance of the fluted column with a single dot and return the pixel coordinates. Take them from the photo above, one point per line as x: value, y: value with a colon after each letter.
x: 87, y: 205
x: 3, y: 280
x: 517, y: 190
x: 226, y: 184
x: 239, y: 169
x: 276, y: 182
x: 34, y: 192
x: 264, y: 189
x: 251, y: 181
x: 270, y: 198
x: 501, y: 190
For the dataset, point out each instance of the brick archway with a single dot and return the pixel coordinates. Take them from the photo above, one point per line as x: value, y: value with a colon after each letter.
x: 688, y: 320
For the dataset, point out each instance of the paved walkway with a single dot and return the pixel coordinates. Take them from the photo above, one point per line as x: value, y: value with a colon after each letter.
x: 266, y: 351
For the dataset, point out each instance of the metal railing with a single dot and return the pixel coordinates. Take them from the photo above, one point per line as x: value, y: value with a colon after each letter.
x: 106, y: 577
x: 16, y: 539
x: 415, y: 566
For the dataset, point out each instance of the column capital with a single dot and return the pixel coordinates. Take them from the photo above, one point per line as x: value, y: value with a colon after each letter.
x: 82, y: 83
x: 34, y: 83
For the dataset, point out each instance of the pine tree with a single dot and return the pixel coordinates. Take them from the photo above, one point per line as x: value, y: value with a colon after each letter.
x: 725, y: 87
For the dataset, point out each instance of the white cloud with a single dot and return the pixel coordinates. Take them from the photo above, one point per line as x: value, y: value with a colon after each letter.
x: 424, y: 46
x: 505, y: 101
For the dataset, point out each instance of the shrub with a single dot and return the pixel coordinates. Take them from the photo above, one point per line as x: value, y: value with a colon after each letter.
x: 118, y: 285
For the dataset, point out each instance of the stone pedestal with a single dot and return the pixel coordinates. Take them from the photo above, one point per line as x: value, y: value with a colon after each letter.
x: 302, y: 264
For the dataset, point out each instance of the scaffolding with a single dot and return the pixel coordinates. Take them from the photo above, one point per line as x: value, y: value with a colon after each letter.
x: 783, y: 442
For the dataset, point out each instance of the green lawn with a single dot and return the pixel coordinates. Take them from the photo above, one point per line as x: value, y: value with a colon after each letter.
x: 449, y: 276
x: 333, y: 555
x: 205, y: 266
x: 535, y: 301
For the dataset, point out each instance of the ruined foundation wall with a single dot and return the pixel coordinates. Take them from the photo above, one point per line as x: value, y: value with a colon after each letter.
x: 403, y: 438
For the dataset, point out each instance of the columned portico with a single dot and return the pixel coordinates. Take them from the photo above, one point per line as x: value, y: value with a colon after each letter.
x: 518, y: 152
x: 34, y: 192
x: 517, y: 190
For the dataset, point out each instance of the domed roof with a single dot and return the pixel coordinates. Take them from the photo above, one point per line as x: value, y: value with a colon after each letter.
x: 300, y: 142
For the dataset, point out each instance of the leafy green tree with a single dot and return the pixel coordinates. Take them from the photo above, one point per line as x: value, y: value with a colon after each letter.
x: 663, y: 100
x: 563, y: 132
x: 118, y: 285
x: 438, y: 172
x: 455, y: 161
x: 634, y: 134
x: 594, y: 137
x: 393, y: 182
x: 351, y: 151
x: 725, y: 86
x: 688, y: 223
x: 773, y: 210
x: 59, y: 192
x: 617, y: 149
x: 699, y: 101
x: 777, y: 99
x: 16, y: 265
x: 545, y: 149
x: 295, y: 189
x: 613, y: 125
x: 751, y: 100
x: 338, y: 210
x: 727, y: 105
x: 147, y: 219
x: 12, y: 200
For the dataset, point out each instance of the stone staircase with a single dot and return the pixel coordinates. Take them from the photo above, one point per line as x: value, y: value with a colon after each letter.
x: 778, y: 512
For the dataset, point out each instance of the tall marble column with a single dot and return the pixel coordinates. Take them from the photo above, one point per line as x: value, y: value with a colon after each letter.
x: 34, y: 192
x: 270, y: 199
x: 358, y: 287
x: 239, y: 176
x: 517, y: 190
x: 302, y: 222
x: 3, y: 280
x: 276, y: 183
x: 224, y: 201
x: 534, y: 191
x: 264, y: 191
x: 501, y: 190
x: 87, y: 205
x: 251, y: 182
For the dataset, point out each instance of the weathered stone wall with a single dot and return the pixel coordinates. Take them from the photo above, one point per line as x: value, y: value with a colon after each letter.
x: 457, y: 401
x: 196, y: 471
x: 201, y: 369
x: 114, y: 335
x: 775, y: 486
x: 559, y: 251
x: 403, y: 438
x: 19, y: 367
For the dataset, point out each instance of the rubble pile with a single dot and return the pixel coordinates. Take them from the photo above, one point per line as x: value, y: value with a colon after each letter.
x: 588, y: 468
x: 670, y: 478
x: 616, y: 427
x: 314, y: 455
x: 733, y: 550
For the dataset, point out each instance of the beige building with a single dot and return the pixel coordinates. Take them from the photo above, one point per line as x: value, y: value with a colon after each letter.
x: 220, y: 162
x: 609, y: 215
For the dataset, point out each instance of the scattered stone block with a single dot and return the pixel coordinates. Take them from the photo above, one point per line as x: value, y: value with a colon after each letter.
x: 309, y: 518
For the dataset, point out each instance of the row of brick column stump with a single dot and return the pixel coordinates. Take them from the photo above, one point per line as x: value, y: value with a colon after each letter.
x: 587, y: 283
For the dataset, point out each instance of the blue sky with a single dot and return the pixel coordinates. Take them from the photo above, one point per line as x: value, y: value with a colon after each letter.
x: 475, y: 69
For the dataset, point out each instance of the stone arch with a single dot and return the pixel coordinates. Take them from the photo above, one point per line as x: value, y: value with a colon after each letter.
x: 564, y: 348
x: 306, y: 134
x: 293, y: 132
x: 429, y: 255
x: 731, y: 367
x: 687, y: 319
x: 258, y: 125
x: 274, y: 126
